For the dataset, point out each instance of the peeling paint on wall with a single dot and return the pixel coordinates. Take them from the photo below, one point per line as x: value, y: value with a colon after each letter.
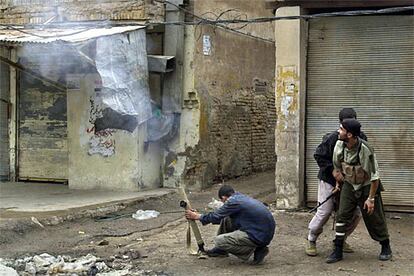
x: 287, y: 97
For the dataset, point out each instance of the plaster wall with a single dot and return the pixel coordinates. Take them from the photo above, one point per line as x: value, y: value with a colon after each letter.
x: 180, y: 149
x: 290, y: 103
x: 112, y: 159
x: 238, y: 9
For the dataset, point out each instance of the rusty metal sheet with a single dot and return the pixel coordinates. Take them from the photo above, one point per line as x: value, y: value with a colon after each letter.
x: 20, y: 35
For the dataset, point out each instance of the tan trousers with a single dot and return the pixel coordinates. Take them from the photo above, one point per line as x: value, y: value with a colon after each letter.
x: 234, y: 241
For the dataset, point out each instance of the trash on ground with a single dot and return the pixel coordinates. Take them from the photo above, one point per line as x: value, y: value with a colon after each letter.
x: 347, y: 269
x: 395, y: 217
x: 36, y: 221
x: 147, y: 214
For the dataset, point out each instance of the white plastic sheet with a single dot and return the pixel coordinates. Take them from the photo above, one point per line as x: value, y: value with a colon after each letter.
x: 121, y: 61
x: 147, y: 214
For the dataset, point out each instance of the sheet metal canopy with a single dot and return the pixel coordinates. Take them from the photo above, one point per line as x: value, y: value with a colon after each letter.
x: 71, y: 35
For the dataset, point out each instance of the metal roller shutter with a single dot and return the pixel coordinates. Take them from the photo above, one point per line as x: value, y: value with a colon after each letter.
x: 366, y: 63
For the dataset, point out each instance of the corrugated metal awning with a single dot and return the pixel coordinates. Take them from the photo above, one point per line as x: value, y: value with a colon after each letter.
x: 20, y: 35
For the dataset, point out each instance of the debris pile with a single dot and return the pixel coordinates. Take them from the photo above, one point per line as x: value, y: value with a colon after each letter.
x: 89, y: 265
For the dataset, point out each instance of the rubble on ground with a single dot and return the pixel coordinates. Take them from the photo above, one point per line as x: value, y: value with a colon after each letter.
x: 214, y: 204
x: 89, y: 265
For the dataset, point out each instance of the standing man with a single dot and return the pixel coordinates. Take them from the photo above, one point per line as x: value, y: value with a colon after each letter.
x: 246, y: 226
x: 355, y: 166
x: 323, y: 156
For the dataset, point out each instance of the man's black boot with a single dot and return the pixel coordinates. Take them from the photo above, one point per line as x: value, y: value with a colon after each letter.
x: 259, y: 254
x: 336, y: 255
x: 386, y: 253
x: 216, y: 252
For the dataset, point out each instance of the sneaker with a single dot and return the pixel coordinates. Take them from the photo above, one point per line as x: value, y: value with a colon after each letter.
x: 311, y: 249
x: 386, y: 253
x: 259, y: 254
x: 217, y: 252
x: 347, y: 248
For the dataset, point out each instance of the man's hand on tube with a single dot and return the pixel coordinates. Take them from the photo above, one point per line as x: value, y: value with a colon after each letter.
x: 192, y: 215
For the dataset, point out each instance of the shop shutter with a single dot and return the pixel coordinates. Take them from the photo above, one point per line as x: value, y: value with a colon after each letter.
x: 42, y: 133
x: 367, y: 63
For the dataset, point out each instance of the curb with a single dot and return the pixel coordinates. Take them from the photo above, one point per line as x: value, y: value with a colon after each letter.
x: 27, y: 223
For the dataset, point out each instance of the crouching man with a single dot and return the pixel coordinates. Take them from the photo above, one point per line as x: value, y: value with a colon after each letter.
x: 246, y: 226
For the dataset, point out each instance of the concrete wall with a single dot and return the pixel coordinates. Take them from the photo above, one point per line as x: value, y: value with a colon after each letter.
x: 290, y: 103
x: 39, y: 11
x: 228, y: 98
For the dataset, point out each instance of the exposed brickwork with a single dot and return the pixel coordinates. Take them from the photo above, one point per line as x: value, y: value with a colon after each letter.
x: 242, y: 130
x: 39, y: 11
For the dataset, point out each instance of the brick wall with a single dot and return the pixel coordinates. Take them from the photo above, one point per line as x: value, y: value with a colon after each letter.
x: 39, y: 11
x: 234, y: 83
x: 242, y: 133
x: 240, y: 139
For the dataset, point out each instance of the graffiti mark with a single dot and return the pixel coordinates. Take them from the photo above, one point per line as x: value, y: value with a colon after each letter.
x: 101, y: 145
x: 102, y: 141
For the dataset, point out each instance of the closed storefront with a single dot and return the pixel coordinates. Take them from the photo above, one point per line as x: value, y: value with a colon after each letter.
x: 367, y: 63
x: 42, y: 124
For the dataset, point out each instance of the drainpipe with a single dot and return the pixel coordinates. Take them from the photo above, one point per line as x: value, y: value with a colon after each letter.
x: 173, y: 46
x: 13, y: 139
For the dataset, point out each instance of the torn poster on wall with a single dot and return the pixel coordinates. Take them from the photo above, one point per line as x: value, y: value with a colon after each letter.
x: 102, y: 141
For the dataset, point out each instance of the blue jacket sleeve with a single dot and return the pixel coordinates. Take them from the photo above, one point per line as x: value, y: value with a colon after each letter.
x: 229, y: 208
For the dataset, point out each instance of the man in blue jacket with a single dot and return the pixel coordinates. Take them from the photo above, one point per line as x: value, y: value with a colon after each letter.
x: 246, y: 226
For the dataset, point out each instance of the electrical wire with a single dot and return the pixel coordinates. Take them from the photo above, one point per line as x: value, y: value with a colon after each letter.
x: 222, y: 23
x: 202, y: 19
x: 293, y: 17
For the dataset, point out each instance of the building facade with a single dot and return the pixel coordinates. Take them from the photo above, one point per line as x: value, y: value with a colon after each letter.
x: 212, y: 114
